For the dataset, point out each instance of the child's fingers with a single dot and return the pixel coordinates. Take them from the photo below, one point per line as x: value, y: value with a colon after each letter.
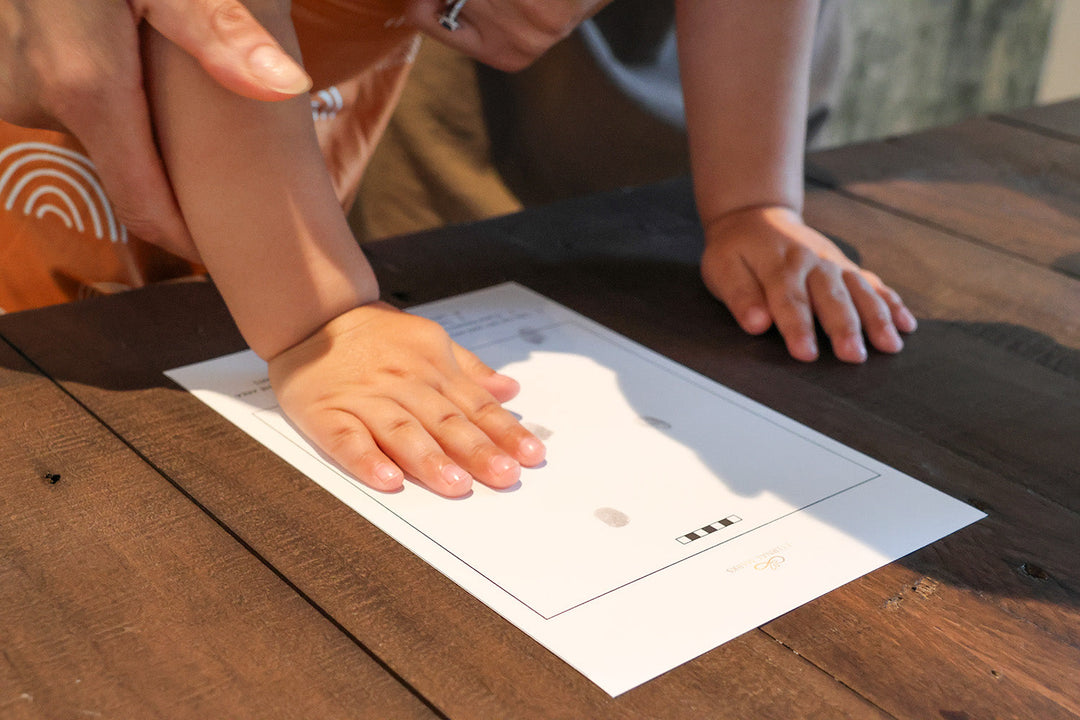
x: 461, y: 438
x: 347, y: 440
x: 406, y: 441
x: 501, y: 387
x: 790, y: 307
x: 902, y: 318
x: 729, y: 279
x: 497, y: 423
x: 835, y: 310
x: 482, y: 404
x: 876, y: 315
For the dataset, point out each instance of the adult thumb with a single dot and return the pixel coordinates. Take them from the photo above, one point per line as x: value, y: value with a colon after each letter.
x: 230, y: 44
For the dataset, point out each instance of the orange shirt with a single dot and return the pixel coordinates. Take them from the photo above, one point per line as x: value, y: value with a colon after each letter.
x: 59, y: 237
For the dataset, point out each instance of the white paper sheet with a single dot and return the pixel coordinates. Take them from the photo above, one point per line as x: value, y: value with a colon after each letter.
x: 672, y: 514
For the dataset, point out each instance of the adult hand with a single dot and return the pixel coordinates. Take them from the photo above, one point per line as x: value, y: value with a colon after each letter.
x: 769, y: 268
x: 505, y: 34
x: 75, y: 65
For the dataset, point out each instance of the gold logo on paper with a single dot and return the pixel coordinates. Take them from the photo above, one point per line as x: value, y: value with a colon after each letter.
x: 772, y: 563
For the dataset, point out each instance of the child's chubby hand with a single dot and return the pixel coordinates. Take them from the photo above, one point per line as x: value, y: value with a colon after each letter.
x: 384, y: 393
x: 770, y: 268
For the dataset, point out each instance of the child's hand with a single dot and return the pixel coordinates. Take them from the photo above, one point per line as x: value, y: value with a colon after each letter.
x: 382, y: 391
x: 769, y: 268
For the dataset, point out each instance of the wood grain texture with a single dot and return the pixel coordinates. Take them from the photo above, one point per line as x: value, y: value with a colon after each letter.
x: 888, y: 411
x: 461, y: 656
x: 984, y: 403
x: 1009, y: 187
x: 950, y: 278
x: 980, y: 419
x: 1061, y: 118
x: 120, y: 598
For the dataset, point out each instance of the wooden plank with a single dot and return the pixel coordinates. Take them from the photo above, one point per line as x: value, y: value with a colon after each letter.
x: 1022, y: 420
x: 997, y: 569
x: 1000, y: 184
x: 949, y: 278
x: 120, y: 598
x: 924, y: 635
x: 1062, y: 119
x: 303, y: 543
x: 913, y: 637
x: 461, y: 656
x: 629, y: 263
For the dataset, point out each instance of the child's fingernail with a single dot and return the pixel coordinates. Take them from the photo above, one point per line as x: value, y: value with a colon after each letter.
x: 531, y: 448
x: 856, y: 349
x: 893, y: 339
x: 805, y: 348
x: 757, y: 319
x: 454, y: 476
x: 278, y: 71
x: 908, y: 320
x: 388, y: 475
x: 501, y: 465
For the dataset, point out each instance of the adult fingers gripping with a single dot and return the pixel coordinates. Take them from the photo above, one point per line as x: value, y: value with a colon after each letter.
x: 230, y: 44
x: 132, y: 172
x: 87, y: 80
x: 505, y: 34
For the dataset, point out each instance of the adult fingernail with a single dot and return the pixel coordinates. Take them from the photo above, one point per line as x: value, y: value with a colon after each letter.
x: 277, y: 71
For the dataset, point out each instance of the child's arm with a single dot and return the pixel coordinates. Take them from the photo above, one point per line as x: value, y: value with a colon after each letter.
x: 745, y: 70
x: 379, y: 390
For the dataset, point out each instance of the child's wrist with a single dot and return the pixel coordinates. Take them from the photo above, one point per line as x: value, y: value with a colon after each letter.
x: 345, y: 323
x: 290, y: 332
x: 718, y: 222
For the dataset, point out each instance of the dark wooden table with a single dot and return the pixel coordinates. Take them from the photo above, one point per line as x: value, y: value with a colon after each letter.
x: 177, y: 569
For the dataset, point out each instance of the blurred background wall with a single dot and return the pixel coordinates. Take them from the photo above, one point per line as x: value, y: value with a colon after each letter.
x: 919, y: 63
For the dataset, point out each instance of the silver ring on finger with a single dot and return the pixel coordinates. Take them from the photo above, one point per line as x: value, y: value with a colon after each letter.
x: 449, y: 17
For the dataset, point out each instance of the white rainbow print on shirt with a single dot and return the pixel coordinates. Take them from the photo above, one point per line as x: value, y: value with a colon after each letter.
x: 39, y: 180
